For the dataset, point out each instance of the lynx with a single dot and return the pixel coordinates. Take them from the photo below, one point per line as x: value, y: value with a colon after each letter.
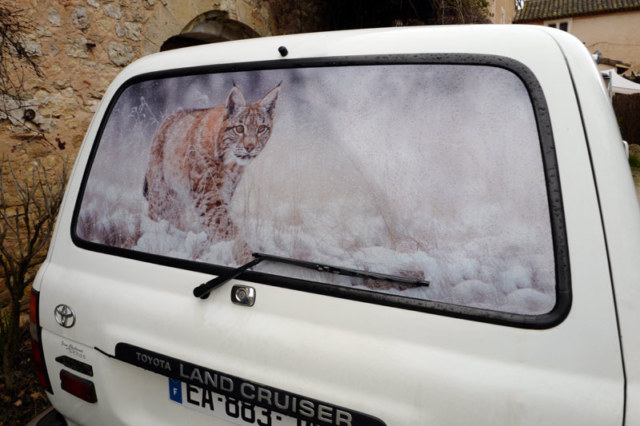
x: 198, y: 158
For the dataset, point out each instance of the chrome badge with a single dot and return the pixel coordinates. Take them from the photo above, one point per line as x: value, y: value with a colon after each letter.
x: 64, y: 316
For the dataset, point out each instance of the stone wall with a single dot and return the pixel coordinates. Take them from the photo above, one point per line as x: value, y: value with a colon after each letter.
x: 80, y: 46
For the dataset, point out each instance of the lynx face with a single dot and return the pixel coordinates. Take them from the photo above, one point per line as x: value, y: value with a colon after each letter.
x: 247, y: 128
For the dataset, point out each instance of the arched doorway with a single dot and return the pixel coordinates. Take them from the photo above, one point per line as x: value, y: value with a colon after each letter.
x: 210, y: 27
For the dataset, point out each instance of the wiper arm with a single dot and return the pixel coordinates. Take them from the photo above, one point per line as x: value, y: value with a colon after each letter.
x: 203, y: 290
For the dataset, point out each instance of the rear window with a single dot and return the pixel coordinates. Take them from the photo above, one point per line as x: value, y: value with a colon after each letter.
x: 434, y: 169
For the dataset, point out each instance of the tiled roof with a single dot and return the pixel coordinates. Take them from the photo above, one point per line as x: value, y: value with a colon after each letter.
x: 538, y: 10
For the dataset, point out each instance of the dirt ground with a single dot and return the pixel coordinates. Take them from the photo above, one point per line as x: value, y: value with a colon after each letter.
x: 19, y: 406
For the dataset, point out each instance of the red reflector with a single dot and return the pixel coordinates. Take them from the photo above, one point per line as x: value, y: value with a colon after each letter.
x: 37, y: 360
x: 39, y: 363
x: 82, y: 388
x: 33, y: 307
x: 36, y: 342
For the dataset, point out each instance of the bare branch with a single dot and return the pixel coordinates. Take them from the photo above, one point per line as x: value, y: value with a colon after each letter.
x: 17, y: 63
x: 27, y: 218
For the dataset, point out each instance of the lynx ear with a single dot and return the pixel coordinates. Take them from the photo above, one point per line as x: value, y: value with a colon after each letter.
x: 269, y: 101
x: 235, y: 100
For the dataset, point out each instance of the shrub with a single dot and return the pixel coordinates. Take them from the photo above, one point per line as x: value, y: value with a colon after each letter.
x: 28, y: 208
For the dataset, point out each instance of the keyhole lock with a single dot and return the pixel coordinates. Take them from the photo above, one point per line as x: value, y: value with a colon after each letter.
x: 243, y: 295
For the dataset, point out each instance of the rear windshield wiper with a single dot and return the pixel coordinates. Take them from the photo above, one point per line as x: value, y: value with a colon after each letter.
x: 203, y: 290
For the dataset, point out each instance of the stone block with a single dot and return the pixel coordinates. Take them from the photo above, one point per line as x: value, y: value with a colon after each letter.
x: 113, y: 11
x: 121, y: 54
x: 103, y: 25
x: 54, y: 17
x: 43, y: 32
x: 45, y: 123
x: 68, y: 92
x: 77, y: 47
x: 161, y: 26
x: 92, y: 104
x: 42, y: 95
x: 32, y: 45
x: 133, y: 31
x: 61, y: 84
x: 71, y: 124
x: 80, y: 18
x: 119, y: 30
x: 51, y: 110
x: 138, y: 14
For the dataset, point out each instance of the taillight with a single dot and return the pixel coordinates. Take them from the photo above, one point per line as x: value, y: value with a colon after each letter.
x: 33, y: 307
x: 82, y: 388
x: 36, y: 342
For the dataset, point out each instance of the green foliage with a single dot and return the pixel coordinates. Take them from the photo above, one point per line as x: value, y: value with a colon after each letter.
x: 634, y: 162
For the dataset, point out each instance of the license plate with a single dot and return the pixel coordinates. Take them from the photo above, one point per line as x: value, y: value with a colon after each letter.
x: 228, y: 408
x: 238, y: 400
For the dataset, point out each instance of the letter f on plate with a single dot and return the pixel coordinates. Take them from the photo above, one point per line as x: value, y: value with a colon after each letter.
x: 175, y: 390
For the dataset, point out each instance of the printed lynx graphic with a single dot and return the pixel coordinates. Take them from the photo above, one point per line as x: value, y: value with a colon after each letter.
x: 392, y: 169
x: 198, y: 158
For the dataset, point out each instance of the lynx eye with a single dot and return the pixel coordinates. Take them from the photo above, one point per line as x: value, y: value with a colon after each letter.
x: 239, y: 129
x: 262, y: 129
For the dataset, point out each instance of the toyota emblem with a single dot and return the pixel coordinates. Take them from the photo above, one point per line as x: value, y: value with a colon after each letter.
x: 64, y: 316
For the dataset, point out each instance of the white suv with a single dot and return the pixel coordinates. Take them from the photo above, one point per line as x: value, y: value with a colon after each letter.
x: 402, y: 226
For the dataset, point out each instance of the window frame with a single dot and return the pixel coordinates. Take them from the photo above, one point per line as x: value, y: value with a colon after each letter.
x: 550, y: 168
x: 557, y: 22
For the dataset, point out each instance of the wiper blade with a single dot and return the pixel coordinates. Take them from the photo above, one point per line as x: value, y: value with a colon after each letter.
x: 203, y: 290
x: 321, y: 267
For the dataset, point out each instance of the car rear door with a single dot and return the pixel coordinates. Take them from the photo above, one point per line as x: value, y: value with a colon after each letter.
x: 451, y: 159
